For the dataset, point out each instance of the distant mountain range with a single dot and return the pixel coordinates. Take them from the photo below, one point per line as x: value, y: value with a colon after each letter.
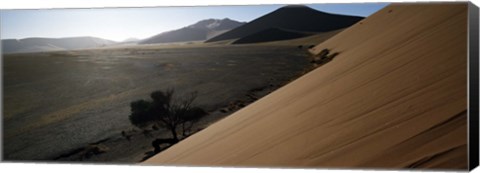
x: 293, y: 21
x: 199, y: 31
x: 52, y: 44
x: 289, y: 22
x: 131, y: 40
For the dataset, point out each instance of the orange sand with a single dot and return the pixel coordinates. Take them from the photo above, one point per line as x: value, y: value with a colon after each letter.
x: 395, y: 97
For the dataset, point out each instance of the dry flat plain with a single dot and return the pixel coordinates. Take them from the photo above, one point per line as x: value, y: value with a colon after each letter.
x: 59, y: 101
x: 394, y: 97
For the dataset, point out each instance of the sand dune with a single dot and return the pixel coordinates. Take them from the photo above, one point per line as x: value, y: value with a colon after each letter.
x: 200, y: 31
x: 271, y: 34
x: 394, y: 97
x: 304, y: 41
x: 292, y: 18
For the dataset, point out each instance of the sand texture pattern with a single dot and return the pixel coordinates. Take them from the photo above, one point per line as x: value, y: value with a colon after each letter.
x: 394, y: 97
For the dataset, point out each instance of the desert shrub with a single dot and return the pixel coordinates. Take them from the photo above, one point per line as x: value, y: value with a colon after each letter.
x: 323, y: 54
x: 140, y: 113
x: 167, y: 112
x: 323, y: 57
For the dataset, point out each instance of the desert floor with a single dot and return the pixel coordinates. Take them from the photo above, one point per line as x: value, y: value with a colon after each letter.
x: 57, y: 103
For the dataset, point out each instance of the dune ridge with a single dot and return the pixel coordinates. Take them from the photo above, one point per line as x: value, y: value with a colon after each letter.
x: 394, y: 97
x: 202, y: 30
x: 298, y: 18
x: 271, y: 34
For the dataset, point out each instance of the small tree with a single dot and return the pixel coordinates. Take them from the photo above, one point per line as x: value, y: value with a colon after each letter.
x: 165, y: 111
x: 190, y: 118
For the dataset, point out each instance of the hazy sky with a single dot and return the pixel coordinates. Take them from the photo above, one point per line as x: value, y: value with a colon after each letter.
x: 121, y: 23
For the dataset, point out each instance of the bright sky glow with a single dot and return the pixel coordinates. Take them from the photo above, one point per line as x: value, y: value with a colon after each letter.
x: 119, y: 24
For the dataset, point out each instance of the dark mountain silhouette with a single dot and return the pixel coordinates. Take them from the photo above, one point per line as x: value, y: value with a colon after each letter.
x: 51, y: 44
x: 292, y: 18
x: 271, y: 34
x: 199, y: 31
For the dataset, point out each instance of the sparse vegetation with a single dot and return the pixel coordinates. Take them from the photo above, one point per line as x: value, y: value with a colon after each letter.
x: 323, y: 57
x: 165, y: 111
x: 133, y: 74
